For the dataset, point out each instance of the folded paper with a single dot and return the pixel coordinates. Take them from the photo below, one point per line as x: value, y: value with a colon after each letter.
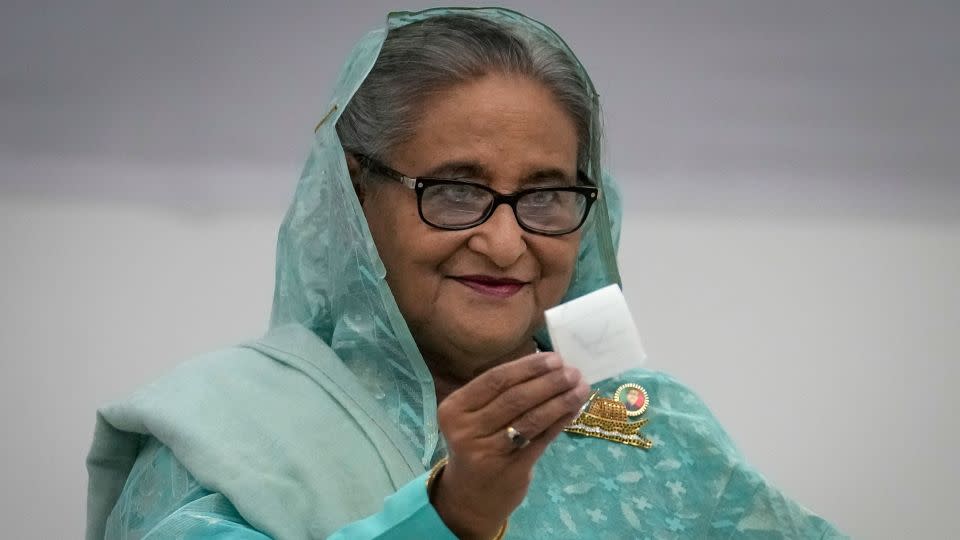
x: 596, y: 334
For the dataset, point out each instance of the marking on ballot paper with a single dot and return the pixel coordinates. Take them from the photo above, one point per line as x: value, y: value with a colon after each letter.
x: 596, y: 334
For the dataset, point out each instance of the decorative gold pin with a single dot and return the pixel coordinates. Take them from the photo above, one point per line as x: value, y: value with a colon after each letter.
x: 609, y: 419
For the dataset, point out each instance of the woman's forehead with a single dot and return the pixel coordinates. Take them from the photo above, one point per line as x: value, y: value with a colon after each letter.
x: 493, y: 128
x: 545, y: 174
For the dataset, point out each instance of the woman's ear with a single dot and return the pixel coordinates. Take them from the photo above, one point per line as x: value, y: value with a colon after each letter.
x: 356, y: 171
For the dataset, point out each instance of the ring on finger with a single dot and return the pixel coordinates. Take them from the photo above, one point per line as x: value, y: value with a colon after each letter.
x: 516, y: 438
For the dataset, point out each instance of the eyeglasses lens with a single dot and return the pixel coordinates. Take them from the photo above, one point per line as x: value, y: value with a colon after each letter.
x: 552, y: 211
x: 455, y: 205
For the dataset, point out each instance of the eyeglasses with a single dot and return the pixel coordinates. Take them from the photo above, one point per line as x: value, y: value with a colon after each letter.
x: 460, y: 203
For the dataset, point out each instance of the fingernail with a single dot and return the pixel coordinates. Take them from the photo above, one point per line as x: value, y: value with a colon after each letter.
x: 572, y: 374
x: 553, y: 361
x: 583, y: 391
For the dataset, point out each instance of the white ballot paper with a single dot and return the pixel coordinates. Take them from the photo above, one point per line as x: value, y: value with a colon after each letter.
x: 596, y: 334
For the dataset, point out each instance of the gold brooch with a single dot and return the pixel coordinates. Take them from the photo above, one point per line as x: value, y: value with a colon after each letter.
x: 609, y: 419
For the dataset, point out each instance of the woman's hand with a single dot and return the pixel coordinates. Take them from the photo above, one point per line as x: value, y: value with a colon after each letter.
x: 487, y: 476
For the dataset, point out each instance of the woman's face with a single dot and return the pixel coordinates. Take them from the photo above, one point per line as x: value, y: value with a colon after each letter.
x: 474, y: 297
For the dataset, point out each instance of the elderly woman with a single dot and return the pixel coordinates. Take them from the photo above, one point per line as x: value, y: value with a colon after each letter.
x: 406, y: 389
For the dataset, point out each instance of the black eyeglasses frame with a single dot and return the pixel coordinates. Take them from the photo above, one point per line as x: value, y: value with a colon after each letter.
x: 422, y: 183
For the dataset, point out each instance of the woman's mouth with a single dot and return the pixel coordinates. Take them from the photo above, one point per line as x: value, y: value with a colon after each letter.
x: 492, y: 286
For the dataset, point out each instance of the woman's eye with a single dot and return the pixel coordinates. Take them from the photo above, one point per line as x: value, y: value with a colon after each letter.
x: 541, y: 198
x: 461, y: 194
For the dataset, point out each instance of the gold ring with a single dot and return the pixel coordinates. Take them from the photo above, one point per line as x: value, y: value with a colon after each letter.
x: 516, y: 438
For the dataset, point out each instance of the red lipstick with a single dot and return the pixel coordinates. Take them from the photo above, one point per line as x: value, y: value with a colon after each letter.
x: 499, y: 287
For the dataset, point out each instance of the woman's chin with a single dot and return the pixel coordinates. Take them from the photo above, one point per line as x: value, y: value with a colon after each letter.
x: 492, y: 346
x: 476, y: 338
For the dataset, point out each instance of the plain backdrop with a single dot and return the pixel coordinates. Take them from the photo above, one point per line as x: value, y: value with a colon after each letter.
x: 791, y: 247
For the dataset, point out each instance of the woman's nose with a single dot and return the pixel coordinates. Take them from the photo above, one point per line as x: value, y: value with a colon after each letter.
x: 500, y: 238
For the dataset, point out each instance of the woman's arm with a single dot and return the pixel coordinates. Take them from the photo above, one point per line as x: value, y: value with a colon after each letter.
x: 211, y: 516
x: 161, y: 499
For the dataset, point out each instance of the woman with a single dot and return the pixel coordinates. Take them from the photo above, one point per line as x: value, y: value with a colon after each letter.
x: 453, y: 193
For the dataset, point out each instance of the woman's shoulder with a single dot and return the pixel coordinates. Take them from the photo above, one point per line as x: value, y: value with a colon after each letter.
x: 272, y: 388
x: 267, y: 409
x: 283, y: 362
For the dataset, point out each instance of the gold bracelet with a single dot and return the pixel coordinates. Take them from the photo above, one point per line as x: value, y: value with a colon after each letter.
x: 432, y: 478
x: 434, y: 475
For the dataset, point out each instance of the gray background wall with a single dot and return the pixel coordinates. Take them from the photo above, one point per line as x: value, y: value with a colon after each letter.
x: 791, y: 247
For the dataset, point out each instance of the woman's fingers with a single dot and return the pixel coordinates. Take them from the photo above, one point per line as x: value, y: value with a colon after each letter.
x: 496, y: 381
x: 537, y: 422
x: 525, y: 458
x: 539, y: 444
x: 527, y: 398
x: 560, y: 408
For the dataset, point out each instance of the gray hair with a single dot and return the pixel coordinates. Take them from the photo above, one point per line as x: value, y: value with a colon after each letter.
x: 427, y: 57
